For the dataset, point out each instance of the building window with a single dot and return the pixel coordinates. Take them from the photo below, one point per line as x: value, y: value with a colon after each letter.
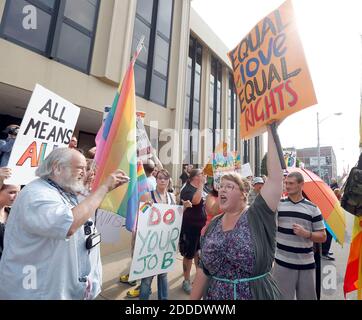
x: 64, y: 30
x: 192, y: 109
x: 232, y: 116
x: 153, y: 21
x: 215, y: 104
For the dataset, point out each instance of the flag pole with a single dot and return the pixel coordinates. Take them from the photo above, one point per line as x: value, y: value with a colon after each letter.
x: 140, y: 46
x: 273, y: 127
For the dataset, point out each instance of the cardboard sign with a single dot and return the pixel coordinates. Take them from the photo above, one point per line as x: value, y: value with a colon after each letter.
x: 271, y: 73
x: 157, y: 237
x: 109, y: 225
x: 144, y: 148
x: 246, y: 170
x: 48, y: 123
x: 221, y: 164
x: 290, y: 158
x: 237, y: 161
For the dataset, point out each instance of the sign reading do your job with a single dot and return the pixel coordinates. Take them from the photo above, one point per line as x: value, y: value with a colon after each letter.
x: 48, y: 123
x: 270, y: 72
x: 158, y: 232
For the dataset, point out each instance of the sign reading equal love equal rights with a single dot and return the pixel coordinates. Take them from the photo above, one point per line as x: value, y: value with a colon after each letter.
x: 270, y: 72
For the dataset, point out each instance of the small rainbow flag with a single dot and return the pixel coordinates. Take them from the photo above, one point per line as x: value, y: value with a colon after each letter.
x: 117, y: 149
x: 353, y: 276
x: 144, y: 207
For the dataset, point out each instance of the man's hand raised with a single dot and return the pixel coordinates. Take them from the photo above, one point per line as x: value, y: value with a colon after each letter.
x: 116, y: 179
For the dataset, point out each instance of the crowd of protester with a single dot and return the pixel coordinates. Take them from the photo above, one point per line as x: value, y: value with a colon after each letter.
x: 247, y: 238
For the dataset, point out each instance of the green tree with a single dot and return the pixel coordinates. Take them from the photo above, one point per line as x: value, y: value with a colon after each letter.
x: 297, y: 163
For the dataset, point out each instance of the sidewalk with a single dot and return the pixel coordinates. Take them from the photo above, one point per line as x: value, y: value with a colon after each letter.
x: 115, y: 264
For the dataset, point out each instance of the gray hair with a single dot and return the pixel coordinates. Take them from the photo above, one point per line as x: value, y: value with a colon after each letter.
x: 58, y: 157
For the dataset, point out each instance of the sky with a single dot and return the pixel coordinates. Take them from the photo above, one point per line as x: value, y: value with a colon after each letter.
x: 330, y: 32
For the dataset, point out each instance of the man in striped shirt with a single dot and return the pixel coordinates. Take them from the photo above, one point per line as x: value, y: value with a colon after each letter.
x: 300, y: 224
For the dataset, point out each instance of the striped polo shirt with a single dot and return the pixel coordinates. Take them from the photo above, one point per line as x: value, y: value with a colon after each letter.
x: 295, y: 252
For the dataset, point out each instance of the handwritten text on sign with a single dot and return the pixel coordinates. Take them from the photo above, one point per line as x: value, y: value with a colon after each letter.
x: 158, y: 232
x: 48, y: 123
x: 271, y: 73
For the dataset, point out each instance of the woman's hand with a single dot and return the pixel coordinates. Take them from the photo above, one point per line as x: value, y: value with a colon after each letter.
x: 5, y: 173
x: 149, y: 203
x: 186, y: 204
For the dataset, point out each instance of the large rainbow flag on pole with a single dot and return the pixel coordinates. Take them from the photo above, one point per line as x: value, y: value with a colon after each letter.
x: 353, y: 276
x: 117, y: 149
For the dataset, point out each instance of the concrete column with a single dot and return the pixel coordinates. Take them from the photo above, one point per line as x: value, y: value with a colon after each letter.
x: 225, y: 110
x: 2, y: 6
x: 180, y: 49
x: 204, y: 104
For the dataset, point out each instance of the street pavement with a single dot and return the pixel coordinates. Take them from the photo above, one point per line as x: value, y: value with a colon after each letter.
x: 116, y: 264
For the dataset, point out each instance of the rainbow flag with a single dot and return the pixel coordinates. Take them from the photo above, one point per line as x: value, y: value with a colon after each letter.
x: 117, y: 149
x: 142, y: 185
x: 353, y: 276
x: 144, y: 207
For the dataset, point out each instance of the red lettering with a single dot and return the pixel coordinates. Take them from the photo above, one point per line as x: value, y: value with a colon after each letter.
x: 270, y: 104
x: 258, y: 117
x: 293, y: 94
x: 278, y: 90
x: 29, y: 153
x: 249, y: 119
x: 169, y: 217
x: 155, y: 217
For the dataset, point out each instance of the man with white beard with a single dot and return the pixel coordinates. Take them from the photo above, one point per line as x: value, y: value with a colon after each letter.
x: 45, y: 254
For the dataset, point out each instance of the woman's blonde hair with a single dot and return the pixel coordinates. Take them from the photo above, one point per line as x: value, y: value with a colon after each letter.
x: 244, y: 184
x: 164, y: 172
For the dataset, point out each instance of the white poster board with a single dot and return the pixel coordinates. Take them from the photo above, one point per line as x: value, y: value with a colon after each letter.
x: 48, y: 123
x: 144, y: 148
x: 246, y: 170
x: 157, y: 237
x: 109, y: 225
x: 222, y: 164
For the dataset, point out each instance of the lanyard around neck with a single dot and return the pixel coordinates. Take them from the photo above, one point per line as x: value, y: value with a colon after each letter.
x: 71, y: 198
x: 168, y: 200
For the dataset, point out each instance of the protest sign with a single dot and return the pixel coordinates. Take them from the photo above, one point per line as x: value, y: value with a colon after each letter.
x: 222, y: 163
x: 246, y: 170
x: 144, y: 148
x: 290, y: 158
x: 157, y: 237
x: 271, y: 73
x: 109, y: 225
x: 48, y: 123
x: 237, y: 161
